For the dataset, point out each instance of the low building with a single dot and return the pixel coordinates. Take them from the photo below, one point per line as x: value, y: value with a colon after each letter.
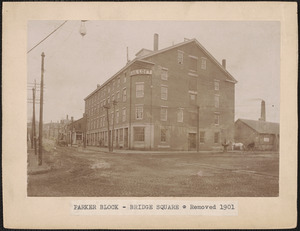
x: 264, y: 135
x: 76, y: 132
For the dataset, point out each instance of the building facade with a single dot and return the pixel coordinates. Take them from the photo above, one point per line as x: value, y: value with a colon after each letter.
x: 264, y: 135
x: 76, y: 132
x: 177, y: 98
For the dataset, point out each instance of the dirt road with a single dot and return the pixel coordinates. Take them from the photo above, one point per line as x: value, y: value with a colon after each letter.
x: 99, y: 174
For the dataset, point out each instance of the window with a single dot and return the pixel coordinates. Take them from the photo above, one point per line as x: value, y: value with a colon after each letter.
x: 216, y: 137
x: 164, y: 74
x: 217, y: 118
x: 108, y: 89
x: 121, y: 134
x: 108, y: 100
x: 112, y: 118
x: 180, y: 115
x: 193, y: 98
x: 202, y: 137
x: 124, y: 94
x: 163, y: 135
x: 163, y: 113
x: 139, y: 87
x: 101, y: 122
x: 112, y: 98
x: 125, y: 76
x: 113, y: 85
x: 217, y: 85
x: 164, y: 92
x: 217, y: 101
x: 124, y: 115
x: 105, y: 136
x: 180, y: 57
x: 117, y: 116
x: 192, y: 83
x: 139, y: 112
x: 139, y: 133
x: 118, y: 82
x: 193, y: 63
x: 118, y: 95
x: 203, y: 63
x: 266, y: 139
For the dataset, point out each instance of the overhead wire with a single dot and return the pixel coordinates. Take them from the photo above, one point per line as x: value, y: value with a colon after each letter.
x: 47, y: 36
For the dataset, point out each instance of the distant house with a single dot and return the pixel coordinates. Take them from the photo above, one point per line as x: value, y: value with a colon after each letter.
x: 76, y: 131
x: 265, y: 135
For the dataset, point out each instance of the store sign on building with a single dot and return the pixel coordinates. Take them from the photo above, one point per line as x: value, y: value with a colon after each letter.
x: 141, y: 72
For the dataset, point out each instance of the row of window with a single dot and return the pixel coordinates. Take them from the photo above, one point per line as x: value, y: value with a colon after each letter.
x: 140, y: 94
x: 139, y: 91
x: 139, y: 113
x: 101, y: 122
x: 216, y: 137
x: 139, y: 135
x: 96, y: 109
x: 114, y: 85
x: 96, y: 138
x: 193, y: 61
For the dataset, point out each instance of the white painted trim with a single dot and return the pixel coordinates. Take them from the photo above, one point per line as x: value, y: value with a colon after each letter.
x: 193, y: 74
x: 193, y: 57
x: 193, y: 92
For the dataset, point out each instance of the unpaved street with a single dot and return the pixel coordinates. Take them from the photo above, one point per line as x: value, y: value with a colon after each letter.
x: 98, y: 174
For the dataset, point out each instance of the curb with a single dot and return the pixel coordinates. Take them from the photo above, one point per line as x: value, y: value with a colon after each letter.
x: 39, y: 171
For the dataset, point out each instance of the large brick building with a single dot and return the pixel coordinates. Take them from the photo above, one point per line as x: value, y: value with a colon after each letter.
x: 178, y: 98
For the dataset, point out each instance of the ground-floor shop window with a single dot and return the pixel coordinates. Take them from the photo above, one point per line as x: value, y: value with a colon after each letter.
x: 139, y: 133
x: 163, y: 135
x: 217, y: 137
x: 202, y: 137
x: 121, y: 134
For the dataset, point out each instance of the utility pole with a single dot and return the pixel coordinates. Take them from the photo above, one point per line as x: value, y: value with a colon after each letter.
x: 84, y: 129
x: 198, y: 132
x: 32, y: 135
x: 33, y: 120
x: 113, y: 125
x: 40, y: 156
x: 108, y: 135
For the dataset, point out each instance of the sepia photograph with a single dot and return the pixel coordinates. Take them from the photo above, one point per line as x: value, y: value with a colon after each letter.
x: 155, y: 108
x: 149, y: 115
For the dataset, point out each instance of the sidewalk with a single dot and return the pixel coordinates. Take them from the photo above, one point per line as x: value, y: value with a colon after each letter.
x: 32, y: 164
x: 126, y: 151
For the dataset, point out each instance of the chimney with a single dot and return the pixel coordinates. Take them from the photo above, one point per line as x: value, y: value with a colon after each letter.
x: 155, y: 45
x: 98, y: 85
x: 224, y: 63
x: 72, y: 118
x: 67, y: 117
x: 263, y: 111
x: 127, y: 54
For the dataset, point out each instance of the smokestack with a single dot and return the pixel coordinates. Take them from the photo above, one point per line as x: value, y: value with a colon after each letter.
x: 127, y: 54
x: 263, y: 111
x: 224, y: 63
x: 155, y: 45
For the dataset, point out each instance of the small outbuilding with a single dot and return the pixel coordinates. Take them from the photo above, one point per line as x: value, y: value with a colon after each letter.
x: 265, y: 135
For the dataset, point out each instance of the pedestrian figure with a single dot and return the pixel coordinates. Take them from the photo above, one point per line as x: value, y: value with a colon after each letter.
x: 225, y: 145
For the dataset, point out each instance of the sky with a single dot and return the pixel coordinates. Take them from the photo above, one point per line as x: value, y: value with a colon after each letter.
x: 75, y: 64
